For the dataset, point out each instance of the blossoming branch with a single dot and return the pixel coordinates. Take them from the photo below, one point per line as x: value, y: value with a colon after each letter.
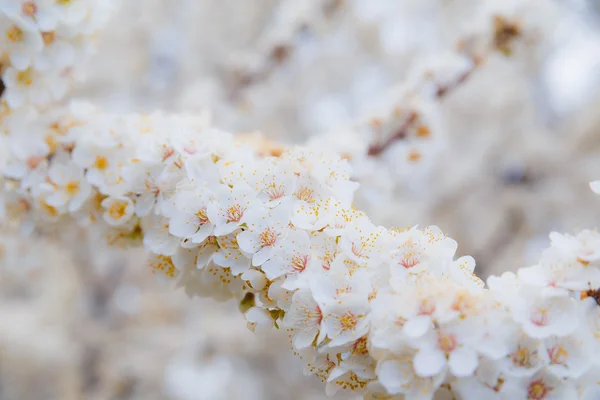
x: 382, y: 313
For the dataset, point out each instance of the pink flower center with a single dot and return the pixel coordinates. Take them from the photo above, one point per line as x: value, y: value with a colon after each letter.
x: 557, y: 355
x: 202, y: 217
x: 235, y: 213
x: 447, y: 343
x: 305, y: 194
x: 168, y: 151
x: 540, y: 318
x: 409, y: 260
x: 299, y: 262
x: 267, y: 238
x: 348, y: 321
x: 357, y: 249
x: 274, y: 191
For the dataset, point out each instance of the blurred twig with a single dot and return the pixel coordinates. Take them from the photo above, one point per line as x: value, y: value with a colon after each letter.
x: 278, y: 54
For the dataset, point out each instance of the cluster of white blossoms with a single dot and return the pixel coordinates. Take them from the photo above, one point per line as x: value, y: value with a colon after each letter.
x: 40, y: 43
x: 385, y: 313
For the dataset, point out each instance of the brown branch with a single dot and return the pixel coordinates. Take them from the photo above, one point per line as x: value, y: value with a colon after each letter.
x: 442, y: 91
x: 505, y: 34
x: 378, y: 148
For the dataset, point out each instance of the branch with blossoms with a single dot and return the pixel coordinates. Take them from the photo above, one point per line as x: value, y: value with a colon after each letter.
x: 404, y: 134
x: 380, y: 313
x: 412, y: 120
x: 503, y: 37
x: 369, y: 310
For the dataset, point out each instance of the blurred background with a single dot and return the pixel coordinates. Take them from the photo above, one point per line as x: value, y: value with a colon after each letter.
x: 522, y: 139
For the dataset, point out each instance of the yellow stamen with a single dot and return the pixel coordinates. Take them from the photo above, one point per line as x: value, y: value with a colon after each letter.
x: 117, y: 210
x: 267, y: 238
x: 72, y: 188
x: 14, y: 34
x: 348, y: 321
x: 101, y: 163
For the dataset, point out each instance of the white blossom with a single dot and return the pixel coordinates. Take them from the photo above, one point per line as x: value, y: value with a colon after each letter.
x: 378, y: 312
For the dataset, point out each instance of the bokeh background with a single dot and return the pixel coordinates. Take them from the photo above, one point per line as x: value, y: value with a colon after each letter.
x: 522, y: 142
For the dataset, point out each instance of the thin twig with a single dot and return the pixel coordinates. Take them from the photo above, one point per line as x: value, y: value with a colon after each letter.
x: 377, y: 149
x: 442, y: 91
